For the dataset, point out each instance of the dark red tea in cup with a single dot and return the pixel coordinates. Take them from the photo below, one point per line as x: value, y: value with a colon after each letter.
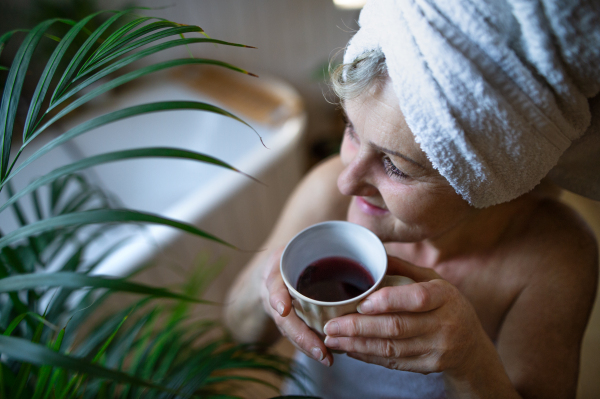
x: 334, y: 279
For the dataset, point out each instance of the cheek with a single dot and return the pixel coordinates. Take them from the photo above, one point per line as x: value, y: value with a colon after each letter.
x: 422, y: 207
x: 403, y: 201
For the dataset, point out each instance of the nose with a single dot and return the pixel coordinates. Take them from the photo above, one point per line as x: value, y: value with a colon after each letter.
x: 355, y: 179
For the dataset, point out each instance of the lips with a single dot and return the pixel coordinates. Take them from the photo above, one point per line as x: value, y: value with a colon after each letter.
x: 369, y: 208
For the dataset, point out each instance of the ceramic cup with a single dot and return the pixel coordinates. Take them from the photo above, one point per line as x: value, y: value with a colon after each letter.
x: 334, y: 238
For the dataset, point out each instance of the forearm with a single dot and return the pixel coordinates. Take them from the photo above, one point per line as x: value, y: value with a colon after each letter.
x: 244, y: 314
x: 483, y: 376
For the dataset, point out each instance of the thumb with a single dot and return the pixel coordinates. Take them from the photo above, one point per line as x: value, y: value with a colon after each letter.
x: 400, y: 267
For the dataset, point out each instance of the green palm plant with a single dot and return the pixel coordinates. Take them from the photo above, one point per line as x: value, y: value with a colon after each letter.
x: 42, y: 263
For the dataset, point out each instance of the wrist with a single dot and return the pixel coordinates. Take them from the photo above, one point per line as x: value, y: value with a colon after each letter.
x: 477, y: 355
x: 480, y: 375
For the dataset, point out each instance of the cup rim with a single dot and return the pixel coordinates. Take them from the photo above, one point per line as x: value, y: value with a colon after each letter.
x: 298, y: 295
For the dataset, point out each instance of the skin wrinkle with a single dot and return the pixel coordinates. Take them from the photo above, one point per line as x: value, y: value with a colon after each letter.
x: 397, y: 154
x: 494, y: 284
x: 376, y: 114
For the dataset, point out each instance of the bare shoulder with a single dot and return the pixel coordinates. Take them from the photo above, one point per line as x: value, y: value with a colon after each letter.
x: 557, y: 248
x: 556, y: 258
x: 565, y: 242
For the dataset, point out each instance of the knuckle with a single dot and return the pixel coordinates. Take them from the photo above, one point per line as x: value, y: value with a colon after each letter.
x: 398, y: 326
x: 298, y: 338
x: 388, y: 349
x: 382, y: 301
x: 422, y: 298
x: 353, y: 328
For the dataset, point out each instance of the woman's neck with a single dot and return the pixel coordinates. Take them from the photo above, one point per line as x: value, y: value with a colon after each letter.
x: 480, y: 232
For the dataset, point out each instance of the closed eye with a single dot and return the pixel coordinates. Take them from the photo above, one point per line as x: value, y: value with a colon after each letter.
x: 391, y: 169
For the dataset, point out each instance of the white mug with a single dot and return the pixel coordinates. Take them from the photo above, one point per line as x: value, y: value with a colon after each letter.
x: 334, y: 239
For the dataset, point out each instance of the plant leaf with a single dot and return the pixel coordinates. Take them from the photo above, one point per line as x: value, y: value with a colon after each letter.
x: 48, y: 73
x: 79, y: 280
x: 17, y: 320
x: 25, y: 369
x: 25, y: 351
x: 109, y: 42
x: 118, y: 115
x: 158, y: 152
x: 45, y: 371
x: 144, y: 30
x: 114, y: 50
x: 118, y: 81
x: 70, y: 70
x: 6, y: 37
x: 150, y: 39
x: 101, y: 216
x: 12, y: 89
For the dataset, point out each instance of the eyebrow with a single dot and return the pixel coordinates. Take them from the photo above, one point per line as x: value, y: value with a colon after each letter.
x: 397, y: 154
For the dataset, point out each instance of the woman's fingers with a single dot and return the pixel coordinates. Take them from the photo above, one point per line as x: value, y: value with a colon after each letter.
x: 388, y: 348
x: 279, y: 296
x: 303, y: 338
x: 278, y: 304
x: 419, y: 297
x: 394, y: 326
x: 399, y: 267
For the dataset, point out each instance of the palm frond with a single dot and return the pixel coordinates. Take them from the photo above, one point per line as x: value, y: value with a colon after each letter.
x: 149, y: 349
x: 113, y: 117
x: 12, y: 89
x: 155, y: 152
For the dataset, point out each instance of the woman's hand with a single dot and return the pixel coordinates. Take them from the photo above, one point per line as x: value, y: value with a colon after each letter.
x: 424, y: 327
x: 278, y: 305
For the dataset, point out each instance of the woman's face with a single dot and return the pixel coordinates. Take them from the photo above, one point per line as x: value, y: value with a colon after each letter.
x: 397, y: 193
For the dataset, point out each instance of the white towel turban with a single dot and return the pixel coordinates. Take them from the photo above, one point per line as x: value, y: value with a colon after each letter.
x: 498, y: 93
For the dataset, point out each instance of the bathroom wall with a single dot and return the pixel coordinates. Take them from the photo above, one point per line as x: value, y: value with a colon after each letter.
x: 294, y: 38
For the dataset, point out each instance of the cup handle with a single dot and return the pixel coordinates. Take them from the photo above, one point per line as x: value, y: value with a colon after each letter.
x: 395, y: 281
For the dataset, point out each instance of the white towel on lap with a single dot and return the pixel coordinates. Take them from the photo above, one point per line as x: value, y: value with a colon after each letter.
x: 495, y: 91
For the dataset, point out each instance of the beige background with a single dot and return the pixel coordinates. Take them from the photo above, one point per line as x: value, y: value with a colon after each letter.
x: 589, y: 377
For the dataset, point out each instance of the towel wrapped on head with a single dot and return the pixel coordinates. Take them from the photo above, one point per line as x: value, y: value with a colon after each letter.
x: 498, y: 93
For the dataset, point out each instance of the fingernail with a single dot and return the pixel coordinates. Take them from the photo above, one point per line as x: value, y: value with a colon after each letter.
x: 326, y: 362
x: 332, y: 328
x: 317, y: 353
x: 280, y: 308
x: 332, y: 342
x: 365, y: 307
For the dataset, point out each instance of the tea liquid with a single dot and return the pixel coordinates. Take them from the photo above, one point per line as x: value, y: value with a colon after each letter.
x: 334, y: 279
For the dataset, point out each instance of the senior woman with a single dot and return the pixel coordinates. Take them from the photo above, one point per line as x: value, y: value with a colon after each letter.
x: 456, y: 111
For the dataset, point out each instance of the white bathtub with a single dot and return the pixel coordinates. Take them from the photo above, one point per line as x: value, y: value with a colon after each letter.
x: 221, y: 202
